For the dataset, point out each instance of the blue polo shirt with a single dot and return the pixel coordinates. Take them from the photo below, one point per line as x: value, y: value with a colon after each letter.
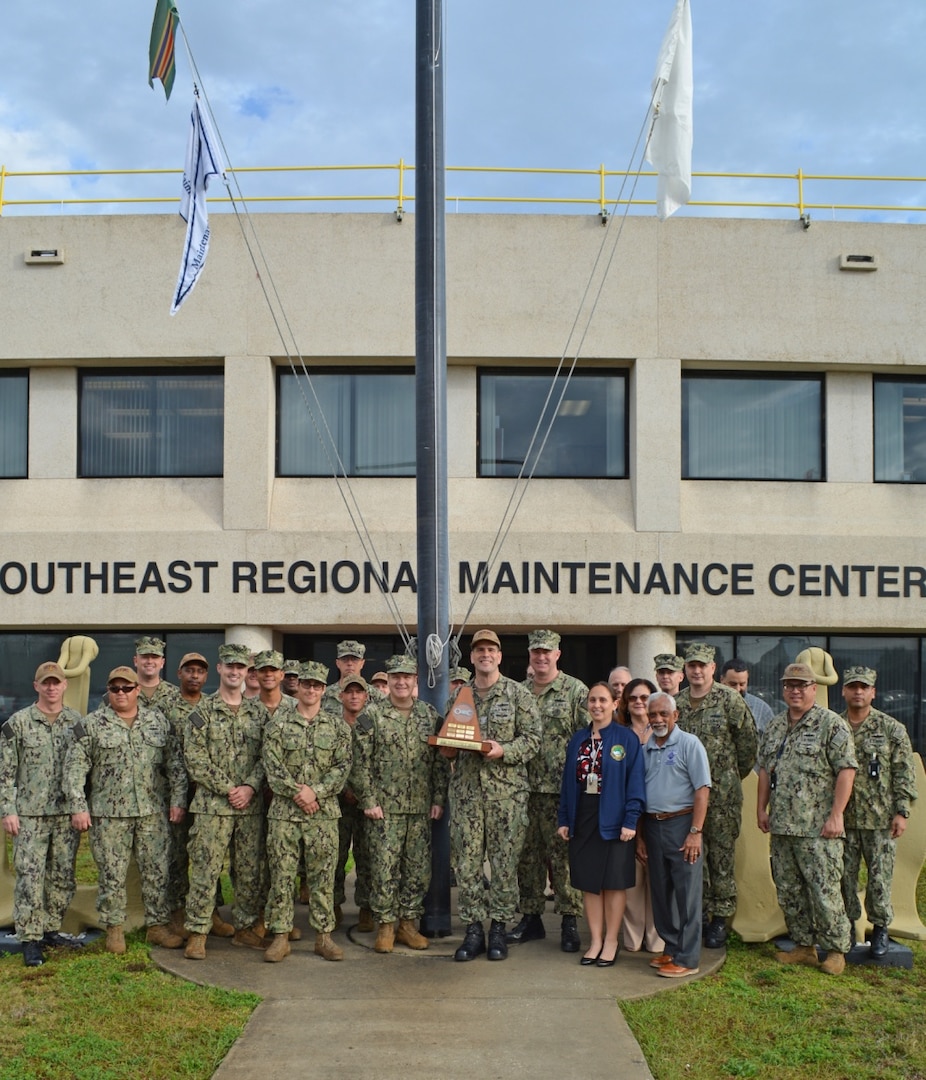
x: 674, y: 771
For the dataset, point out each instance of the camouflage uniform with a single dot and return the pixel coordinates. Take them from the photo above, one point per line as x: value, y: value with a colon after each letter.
x: 32, y: 755
x: 396, y: 769
x: 179, y: 869
x: 222, y: 752
x: 315, y: 752
x: 722, y: 721
x: 563, y: 712
x: 882, y: 745
x: 163, y: 697
x: 125, y: 765
x: 802, y: 763
x: 488, y: 802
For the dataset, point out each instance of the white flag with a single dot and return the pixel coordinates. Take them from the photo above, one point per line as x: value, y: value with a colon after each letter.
x: 203, y: 161
x: 669, y: 149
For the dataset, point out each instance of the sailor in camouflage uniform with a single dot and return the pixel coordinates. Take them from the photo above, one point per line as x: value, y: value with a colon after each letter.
x: 33, y: 745
x: 222, y: 752
x: 562, y: 702
x: 307, y: 756
x: 884, y: 791
x: 351, y: 656
x: 153, y: 691
x: 488, y: 800
x: 807, y: 765
x: 721, y: 719
x: 124, y: 750
x: 401, y: 785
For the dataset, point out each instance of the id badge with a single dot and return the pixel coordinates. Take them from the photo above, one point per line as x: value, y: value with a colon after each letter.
x: 591, y: 784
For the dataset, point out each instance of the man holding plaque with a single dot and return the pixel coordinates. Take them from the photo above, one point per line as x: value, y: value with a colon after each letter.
x: 488, y: 796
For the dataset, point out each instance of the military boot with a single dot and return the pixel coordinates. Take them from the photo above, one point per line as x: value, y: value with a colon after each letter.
x: 365, y: 923
x: 295, y: 934
x: 115, y: 940
x: 497, y: 950
x: 879, y: 941
x: 474, y: 943
x: 408, y: 934
x: 32, y: 954
x: 530, y: 928
x: 221, y: 928
x: 800, y: 954
x: 834, y: 964
x: 163, y: 936
x: 715, y: 936
x: 195, y: 947
x: 250, y: 939
x: 177, y: 919
x: 326, y: 948
x: 568, y: 935
x: 279, y: 949
x: 385, y: 937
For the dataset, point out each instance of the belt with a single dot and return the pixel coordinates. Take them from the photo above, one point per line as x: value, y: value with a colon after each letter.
x: 672, y: 814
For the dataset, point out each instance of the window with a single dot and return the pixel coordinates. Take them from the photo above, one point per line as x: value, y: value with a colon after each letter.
x: 588, y: 436
x: 134, y: 423
x: 745, y: 427
x: 900, y: 430
x: 14, y: 424
x: 370, y: 416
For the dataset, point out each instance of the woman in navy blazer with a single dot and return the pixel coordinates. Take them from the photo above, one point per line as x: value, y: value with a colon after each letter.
x: 601, y: 798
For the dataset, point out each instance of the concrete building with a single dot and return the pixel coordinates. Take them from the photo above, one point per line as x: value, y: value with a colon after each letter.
x: 739, y: 457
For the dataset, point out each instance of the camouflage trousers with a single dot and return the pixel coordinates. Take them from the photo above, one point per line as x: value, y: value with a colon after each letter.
x: 113, y: 842
x: 808, y: 879
x: 487, y: 829
x: 352, y: 830
x: 211, y: 836
x: 313, y: 845
x: 721, y: 828
x: 178, y: 873
x: 878, y: 850
x: 542, y: 846
x: 400, y: 865
x: 43, y: 857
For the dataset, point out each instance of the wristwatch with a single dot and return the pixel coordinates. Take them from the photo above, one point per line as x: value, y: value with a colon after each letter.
x: 694, y: 830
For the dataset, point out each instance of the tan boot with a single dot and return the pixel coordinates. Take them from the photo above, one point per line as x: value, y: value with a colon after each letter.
x: 279, y: 949
x: 220, y: 928
x: 303, y: 894
x: 800, y: 954
x: 115, y: 940
x: 250, y: 939
x: 834, y: 964
x: 365, y: 923
x: 163, y: 936
x: 385, y: 937
x: 295, y: 934
x: 260, y: 927
x: 407, y: 934
x: 195, y: 947
x: 177, y: 920
x: 326, y: 948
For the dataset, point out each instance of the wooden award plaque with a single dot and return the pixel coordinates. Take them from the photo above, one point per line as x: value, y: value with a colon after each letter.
x: 460, y: 729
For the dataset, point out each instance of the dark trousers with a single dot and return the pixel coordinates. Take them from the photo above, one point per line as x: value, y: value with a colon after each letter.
x: 675, y: 887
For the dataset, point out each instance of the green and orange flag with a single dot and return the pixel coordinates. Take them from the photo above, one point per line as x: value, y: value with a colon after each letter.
x: 161, y: 63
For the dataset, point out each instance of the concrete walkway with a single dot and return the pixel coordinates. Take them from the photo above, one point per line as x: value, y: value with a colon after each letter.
x: 413, y: 1015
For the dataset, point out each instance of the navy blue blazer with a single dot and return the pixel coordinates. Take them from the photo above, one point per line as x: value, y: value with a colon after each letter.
x: 623, y: 790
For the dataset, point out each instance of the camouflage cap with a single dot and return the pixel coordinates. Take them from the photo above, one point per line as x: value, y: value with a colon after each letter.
x: 543, y: 639
x: 149, y: 646
x: 378, y: 676
x: 268, y: 658
x: 667, y: 660
x: 400, y: 664
x: 459, y: 674
x: 313, y: 671
x: 866, y: 675
x: 193, y: 658
x: 291, y: 667
x: 49, y: 670
x: 700, y: 653
x: 351, y: 648
x: 356, y: 680
x: 123, y: 673
x: 235, y: 654
x: 485, y: 635
x: 799, y: 673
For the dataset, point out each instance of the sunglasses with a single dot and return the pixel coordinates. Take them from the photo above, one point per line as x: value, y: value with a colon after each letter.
x: 121, y: 689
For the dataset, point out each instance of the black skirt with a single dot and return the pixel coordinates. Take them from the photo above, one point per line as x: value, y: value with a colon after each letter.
x: 596, y: 864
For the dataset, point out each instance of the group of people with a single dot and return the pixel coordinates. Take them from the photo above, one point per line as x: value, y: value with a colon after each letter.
x: 627, y: 795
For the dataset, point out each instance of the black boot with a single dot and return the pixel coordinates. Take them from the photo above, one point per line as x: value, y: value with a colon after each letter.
x: 569, y: 935
x: 498, y: 950
x: 715, y: 937
x: 473, y: 944
x: 530, y: 928
x: 879, y: 941
x: 32, y: 954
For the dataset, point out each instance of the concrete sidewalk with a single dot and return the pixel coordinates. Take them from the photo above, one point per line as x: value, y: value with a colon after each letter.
x: 413, y: 1015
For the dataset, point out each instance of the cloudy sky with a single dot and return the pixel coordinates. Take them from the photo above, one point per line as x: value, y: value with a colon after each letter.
x: 827, y: 86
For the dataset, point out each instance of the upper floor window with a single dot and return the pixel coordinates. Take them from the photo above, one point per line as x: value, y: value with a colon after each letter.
x: 370, y: 416
x: 588, y: 437
x: 135, y: 423
x: 14, y: 424
x: 752, y: 427
x: 900, y: 430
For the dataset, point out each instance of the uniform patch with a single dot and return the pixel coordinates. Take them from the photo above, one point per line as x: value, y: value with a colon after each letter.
x: 618, y: 752
x: 364, y: 721
x: 196, y: 720
x: 7, y: 730
x: 79, y: 730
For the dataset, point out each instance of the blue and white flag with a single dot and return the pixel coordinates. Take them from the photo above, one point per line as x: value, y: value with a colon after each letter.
x: 203, y: 161
x: 669, y: 149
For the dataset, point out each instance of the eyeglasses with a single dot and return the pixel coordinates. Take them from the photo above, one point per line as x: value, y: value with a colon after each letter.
x: 638, y: 697
x: 798, y: 685
x: 121, y: 689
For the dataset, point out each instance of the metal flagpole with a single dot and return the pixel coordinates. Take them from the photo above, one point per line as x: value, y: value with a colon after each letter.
x: 431, y: 407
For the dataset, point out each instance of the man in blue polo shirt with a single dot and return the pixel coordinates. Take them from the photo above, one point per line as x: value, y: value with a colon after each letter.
x: 678, y: 784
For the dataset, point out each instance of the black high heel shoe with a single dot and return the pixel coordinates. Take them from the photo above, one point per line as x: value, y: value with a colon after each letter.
x: 608, y: 963
x: 587, y: 961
